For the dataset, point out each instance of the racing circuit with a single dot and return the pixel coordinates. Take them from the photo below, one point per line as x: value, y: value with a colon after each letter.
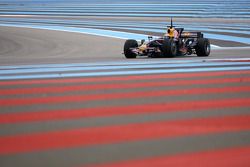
x: 69, y: 97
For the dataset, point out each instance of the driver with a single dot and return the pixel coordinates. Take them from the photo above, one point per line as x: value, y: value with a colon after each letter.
x: 172, y: 33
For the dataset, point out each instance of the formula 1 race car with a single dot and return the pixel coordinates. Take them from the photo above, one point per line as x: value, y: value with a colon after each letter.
x: 175, y: 42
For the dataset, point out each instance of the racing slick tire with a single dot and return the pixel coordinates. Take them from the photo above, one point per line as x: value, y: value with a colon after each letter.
x: 130, y: 43
x: 169, y: 48
x: 202, y: 48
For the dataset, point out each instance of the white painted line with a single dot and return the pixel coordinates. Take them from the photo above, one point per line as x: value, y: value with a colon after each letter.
x: 116, y: 73
x: 120, y: 67
x: 231, y: 48
x: 109, y: 63
x: 121, y: 63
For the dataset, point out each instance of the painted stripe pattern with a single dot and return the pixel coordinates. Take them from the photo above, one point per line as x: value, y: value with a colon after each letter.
x: 123, y: 17
x: 143, y: 8
x: 180, y: 112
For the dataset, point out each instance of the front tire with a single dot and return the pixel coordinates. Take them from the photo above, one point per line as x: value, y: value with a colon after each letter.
x: 203, y: 47
x: 130, y: 43
x: 169, y: 48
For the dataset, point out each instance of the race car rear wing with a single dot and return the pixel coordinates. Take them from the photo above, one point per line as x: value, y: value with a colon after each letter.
x: 191, y: 35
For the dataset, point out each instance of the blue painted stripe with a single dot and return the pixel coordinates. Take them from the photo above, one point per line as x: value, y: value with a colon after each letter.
x: 91, y: 31
x: 130, y: 25
x: 185, y: 15
x: 120, y: 67
x: 221, y: 9
x: 239, y: 26
x: 124, y: 35
x: 116, y: 73
x: 112, y: 63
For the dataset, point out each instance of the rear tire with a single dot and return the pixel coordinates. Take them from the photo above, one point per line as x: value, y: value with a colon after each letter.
x: 130, y: 43
x: 169, y: 48
x: 203, y: 47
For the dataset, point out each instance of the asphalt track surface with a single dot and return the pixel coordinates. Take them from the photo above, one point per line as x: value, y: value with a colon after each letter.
x: 58, y: 110
x: 37, y: 46
x: 71, y: 99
